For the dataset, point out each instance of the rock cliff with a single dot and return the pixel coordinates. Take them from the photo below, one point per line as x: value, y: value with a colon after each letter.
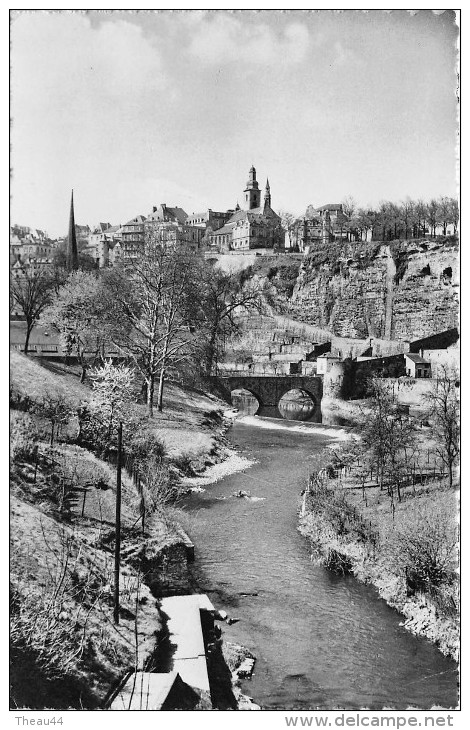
x: 401, y: 291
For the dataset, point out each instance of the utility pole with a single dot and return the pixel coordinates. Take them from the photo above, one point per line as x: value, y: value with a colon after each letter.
x: 117, y: 551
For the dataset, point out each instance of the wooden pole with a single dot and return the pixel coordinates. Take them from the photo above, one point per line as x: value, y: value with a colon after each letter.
x: 117, y: 551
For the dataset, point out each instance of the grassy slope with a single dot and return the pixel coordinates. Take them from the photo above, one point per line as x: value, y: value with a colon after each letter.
x: 71, y: 559
x: 186, y: 424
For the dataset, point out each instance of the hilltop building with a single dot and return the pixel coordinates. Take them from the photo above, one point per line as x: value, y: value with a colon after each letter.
x: 29, y: 243
x: 132, y: 237
x: 102, y: 244
x: 318, y: 225
x: 255, y: 226
x: 169, y: 226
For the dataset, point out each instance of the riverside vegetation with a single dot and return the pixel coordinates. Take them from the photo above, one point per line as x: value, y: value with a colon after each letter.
x: 384, y: 508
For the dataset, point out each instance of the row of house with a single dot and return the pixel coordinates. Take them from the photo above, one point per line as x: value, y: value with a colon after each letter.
x: 253, y: 226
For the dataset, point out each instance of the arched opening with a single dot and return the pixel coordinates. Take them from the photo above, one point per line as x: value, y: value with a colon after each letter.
x: 246, y: 402
x: 297, y: 405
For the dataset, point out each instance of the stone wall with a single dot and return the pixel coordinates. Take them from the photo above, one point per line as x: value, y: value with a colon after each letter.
x: 399, y: 291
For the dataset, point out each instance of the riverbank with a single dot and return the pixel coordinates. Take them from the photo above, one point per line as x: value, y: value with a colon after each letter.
x: 64, y: 641
x: 355, y: 530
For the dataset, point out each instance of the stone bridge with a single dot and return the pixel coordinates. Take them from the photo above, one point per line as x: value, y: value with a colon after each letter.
x: 268, y: 390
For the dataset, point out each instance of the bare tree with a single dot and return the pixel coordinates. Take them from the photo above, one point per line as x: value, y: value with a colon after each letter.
x: 454, y: 213
x: 432, y: 215
x: 31, y: 291
x: 420, y: 214
x: 224, y: 296
x: 153, y: 302
x: 444, y: 213
x: 444, y: 412
x: 387, y: 434
x: 407, y: 211
x: 349, y: 206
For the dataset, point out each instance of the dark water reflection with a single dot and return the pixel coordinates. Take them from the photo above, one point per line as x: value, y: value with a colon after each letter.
x: 294, y: 406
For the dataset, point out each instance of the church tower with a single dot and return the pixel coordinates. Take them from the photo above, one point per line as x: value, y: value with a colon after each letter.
x: 72, y: 250
x: 252, y: 194
x: 267, y: 195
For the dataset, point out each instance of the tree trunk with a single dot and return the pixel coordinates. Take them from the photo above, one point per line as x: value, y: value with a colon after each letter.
x: 29, y: 328
x: 150, y: 393
x: 160, y: 390
x: 451, y: 478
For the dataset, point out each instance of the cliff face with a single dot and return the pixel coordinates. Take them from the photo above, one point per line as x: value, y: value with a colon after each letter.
x: 401, y: 291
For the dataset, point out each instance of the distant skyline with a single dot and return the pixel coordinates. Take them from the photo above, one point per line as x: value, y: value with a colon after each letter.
x: 136, y: 109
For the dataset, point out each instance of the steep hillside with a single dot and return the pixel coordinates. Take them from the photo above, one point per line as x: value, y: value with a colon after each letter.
x: 401, y: 290
x: 66, y: 651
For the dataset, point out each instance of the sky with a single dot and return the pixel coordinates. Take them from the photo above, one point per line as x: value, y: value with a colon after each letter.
x: 134, y: 109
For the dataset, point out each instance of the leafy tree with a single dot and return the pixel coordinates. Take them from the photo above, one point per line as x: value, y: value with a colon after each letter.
x: 112, y: 390
x: 77, y: 312
x: 32, y: 293
x: 444, y: 414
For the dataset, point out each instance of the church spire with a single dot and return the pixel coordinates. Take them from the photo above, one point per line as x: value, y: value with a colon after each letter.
x: 72, y: 251
x: 267, y: 194
x: 252, y: 193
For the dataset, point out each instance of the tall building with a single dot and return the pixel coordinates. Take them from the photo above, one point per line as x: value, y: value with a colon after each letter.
x: 133, y: 237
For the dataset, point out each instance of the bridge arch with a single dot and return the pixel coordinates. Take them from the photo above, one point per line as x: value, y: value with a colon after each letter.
x: 314, y: 398
x: 268, y: 390
x: 249, y: 391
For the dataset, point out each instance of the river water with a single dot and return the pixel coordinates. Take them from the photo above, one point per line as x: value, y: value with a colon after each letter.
x: 321, y: 641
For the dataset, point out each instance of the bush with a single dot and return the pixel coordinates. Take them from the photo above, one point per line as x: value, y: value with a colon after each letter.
x: 23, y: 437
x: 184, y: 464
x: 142, y: 447
x: 422, y: 548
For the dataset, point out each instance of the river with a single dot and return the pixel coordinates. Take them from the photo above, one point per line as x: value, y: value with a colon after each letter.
x: 321, y: 641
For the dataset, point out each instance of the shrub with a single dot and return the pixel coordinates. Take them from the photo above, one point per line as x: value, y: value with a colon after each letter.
x: 23, y: 437
x: 141, y: 447
x: 184, y: 464
x: 422, y: 548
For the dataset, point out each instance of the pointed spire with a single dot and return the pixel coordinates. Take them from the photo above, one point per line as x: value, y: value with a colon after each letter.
x: 72, y: 250
x: 267, y: 194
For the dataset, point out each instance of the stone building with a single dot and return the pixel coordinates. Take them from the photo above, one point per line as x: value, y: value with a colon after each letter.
x: 318, y: 225
x: 169, y: 225
x: 132, y: 237
x: 29, y: 244
x: 209, y: 219
x: 256, y: 226
x: 102, y: 244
